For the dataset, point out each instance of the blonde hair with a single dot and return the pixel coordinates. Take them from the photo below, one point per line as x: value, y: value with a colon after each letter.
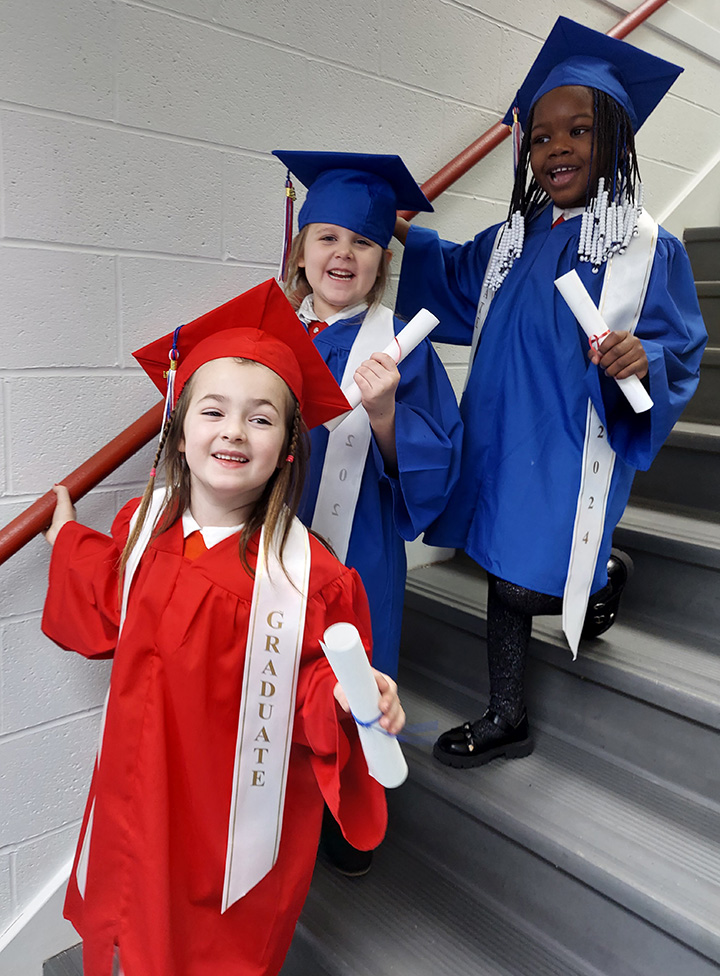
x: 276, y: 507
x: 297, y: 287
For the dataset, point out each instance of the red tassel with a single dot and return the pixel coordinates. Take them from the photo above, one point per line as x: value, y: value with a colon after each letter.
x: 290, y: 198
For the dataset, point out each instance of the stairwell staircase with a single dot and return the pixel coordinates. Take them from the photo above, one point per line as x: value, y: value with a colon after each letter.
x: 598, y: 855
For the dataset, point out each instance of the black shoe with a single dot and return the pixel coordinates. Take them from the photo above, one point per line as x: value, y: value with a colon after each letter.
x: 479, y: 742
x: 339, y: 853
x: 603, y: 607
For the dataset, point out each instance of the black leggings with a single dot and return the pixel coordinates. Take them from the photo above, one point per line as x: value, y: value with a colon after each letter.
x: 510, y: 610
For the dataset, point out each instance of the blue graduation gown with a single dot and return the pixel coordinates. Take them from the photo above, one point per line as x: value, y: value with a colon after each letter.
x: 525, y: 406
x: 428, y: 434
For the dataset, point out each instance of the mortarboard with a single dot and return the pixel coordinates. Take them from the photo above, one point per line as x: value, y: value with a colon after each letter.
x: 259, y: 325
x: 577, y: 55
x: 360, y: 191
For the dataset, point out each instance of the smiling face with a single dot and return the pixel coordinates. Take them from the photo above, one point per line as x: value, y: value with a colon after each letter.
x: 234, y: 433
x: 341, y: 267
x: 561, y: 145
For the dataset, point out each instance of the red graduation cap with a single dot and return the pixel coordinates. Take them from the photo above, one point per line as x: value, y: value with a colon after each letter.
x: 259, y: 325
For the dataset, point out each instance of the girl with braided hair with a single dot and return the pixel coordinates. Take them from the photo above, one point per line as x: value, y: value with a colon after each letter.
x: 550, y: 443
x: 225, y: 731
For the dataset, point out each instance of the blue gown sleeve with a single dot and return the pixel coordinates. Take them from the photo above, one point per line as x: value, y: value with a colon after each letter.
x: 673, y: 334
x: 428, y: 435
x: 446, y: 279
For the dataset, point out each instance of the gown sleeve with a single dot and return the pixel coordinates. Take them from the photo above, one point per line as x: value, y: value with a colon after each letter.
x: 445, y: 278
x: 673, y: 334
x: 355, y: 799
x: 81, y: 611
x: 428, y: 436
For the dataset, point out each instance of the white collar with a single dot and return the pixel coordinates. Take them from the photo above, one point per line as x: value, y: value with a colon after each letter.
x: 306, y: 312
x: 212, y: 534
x: 568, y: 213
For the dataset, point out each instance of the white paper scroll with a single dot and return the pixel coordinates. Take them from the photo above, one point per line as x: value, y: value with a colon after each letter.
x: 346, y: 654
x: 591, y: 322
x: 418, y: 328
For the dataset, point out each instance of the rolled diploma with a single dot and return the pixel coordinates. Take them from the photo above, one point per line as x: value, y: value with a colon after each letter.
x: 591, y: 322
x: 418, y: 328
x: 346, y: 654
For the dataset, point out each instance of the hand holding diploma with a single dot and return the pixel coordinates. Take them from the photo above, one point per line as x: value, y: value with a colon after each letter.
x: 417, y: 329
x: 372, y: 699
x: 624, y: 350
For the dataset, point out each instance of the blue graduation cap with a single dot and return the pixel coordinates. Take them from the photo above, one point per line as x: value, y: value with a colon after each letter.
x: 576, y: 55
x: 360, y: 191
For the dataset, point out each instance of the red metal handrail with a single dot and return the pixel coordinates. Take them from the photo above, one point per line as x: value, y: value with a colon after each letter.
x: 479, y: 149
x: 37, y: 517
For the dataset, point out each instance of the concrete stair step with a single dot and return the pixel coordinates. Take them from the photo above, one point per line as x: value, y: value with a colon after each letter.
x: 643, y: 693
x: 67, y: 963
x: 704, y: 407
x: 522, y: 883
x: 703, y: 247
x: 677, y: 568
x: 709, y: 298
x: 651, y: 849
x: 409, y: 917
x: 685, y: 475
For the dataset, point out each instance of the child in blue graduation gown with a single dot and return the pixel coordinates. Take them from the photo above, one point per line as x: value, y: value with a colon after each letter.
x: 537, y: 402
x: 388, y: 470
x: 337, y: 272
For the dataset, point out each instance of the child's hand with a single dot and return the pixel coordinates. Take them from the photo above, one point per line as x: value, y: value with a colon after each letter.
x: 377, y: 379
x: 64, y: 512
x: 621, y: 355
x: 393, y: 715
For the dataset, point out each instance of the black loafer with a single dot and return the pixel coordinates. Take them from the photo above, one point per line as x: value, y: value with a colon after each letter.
x: 479, y: 742
x: 602, y: 609
x: 339, y: 853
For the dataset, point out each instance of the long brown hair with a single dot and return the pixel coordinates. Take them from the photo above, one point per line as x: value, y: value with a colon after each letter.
x: 276, y: 507
x: 297, y: 287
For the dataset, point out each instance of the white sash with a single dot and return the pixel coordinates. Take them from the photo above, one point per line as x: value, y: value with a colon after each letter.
x: 156, y: 505
x: 348, y: 444
x: 267, y: 711
x: 621, y: 301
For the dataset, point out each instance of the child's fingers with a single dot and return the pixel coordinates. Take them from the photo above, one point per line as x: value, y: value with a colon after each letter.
x: 380, y: 367
x: 64, y: 512
x: 377, y: 377
x: 621, y: 355
x: 383, y: 360
x: 341, y: 697
x: 393, y: 714
x: 630, y: 365
x: 62, y: 494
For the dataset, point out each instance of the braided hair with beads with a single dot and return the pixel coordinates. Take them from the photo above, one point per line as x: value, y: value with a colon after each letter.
x: 613, y: 201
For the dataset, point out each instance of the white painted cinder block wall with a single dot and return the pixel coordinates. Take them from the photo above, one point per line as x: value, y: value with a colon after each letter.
x: 137, y: 191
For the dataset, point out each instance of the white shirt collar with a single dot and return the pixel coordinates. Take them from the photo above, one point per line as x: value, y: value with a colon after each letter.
x: 306, y: 312
x: 212, y: 534
x: 567, y: 213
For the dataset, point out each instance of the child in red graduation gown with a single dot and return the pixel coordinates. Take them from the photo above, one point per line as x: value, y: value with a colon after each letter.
x: 222, y: 735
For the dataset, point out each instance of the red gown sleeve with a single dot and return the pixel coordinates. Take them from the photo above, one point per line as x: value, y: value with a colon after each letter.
x: 81, y: 610
x: 356, y: 800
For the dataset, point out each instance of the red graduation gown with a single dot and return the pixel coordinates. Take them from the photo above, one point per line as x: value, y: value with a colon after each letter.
x: 162, y: 789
